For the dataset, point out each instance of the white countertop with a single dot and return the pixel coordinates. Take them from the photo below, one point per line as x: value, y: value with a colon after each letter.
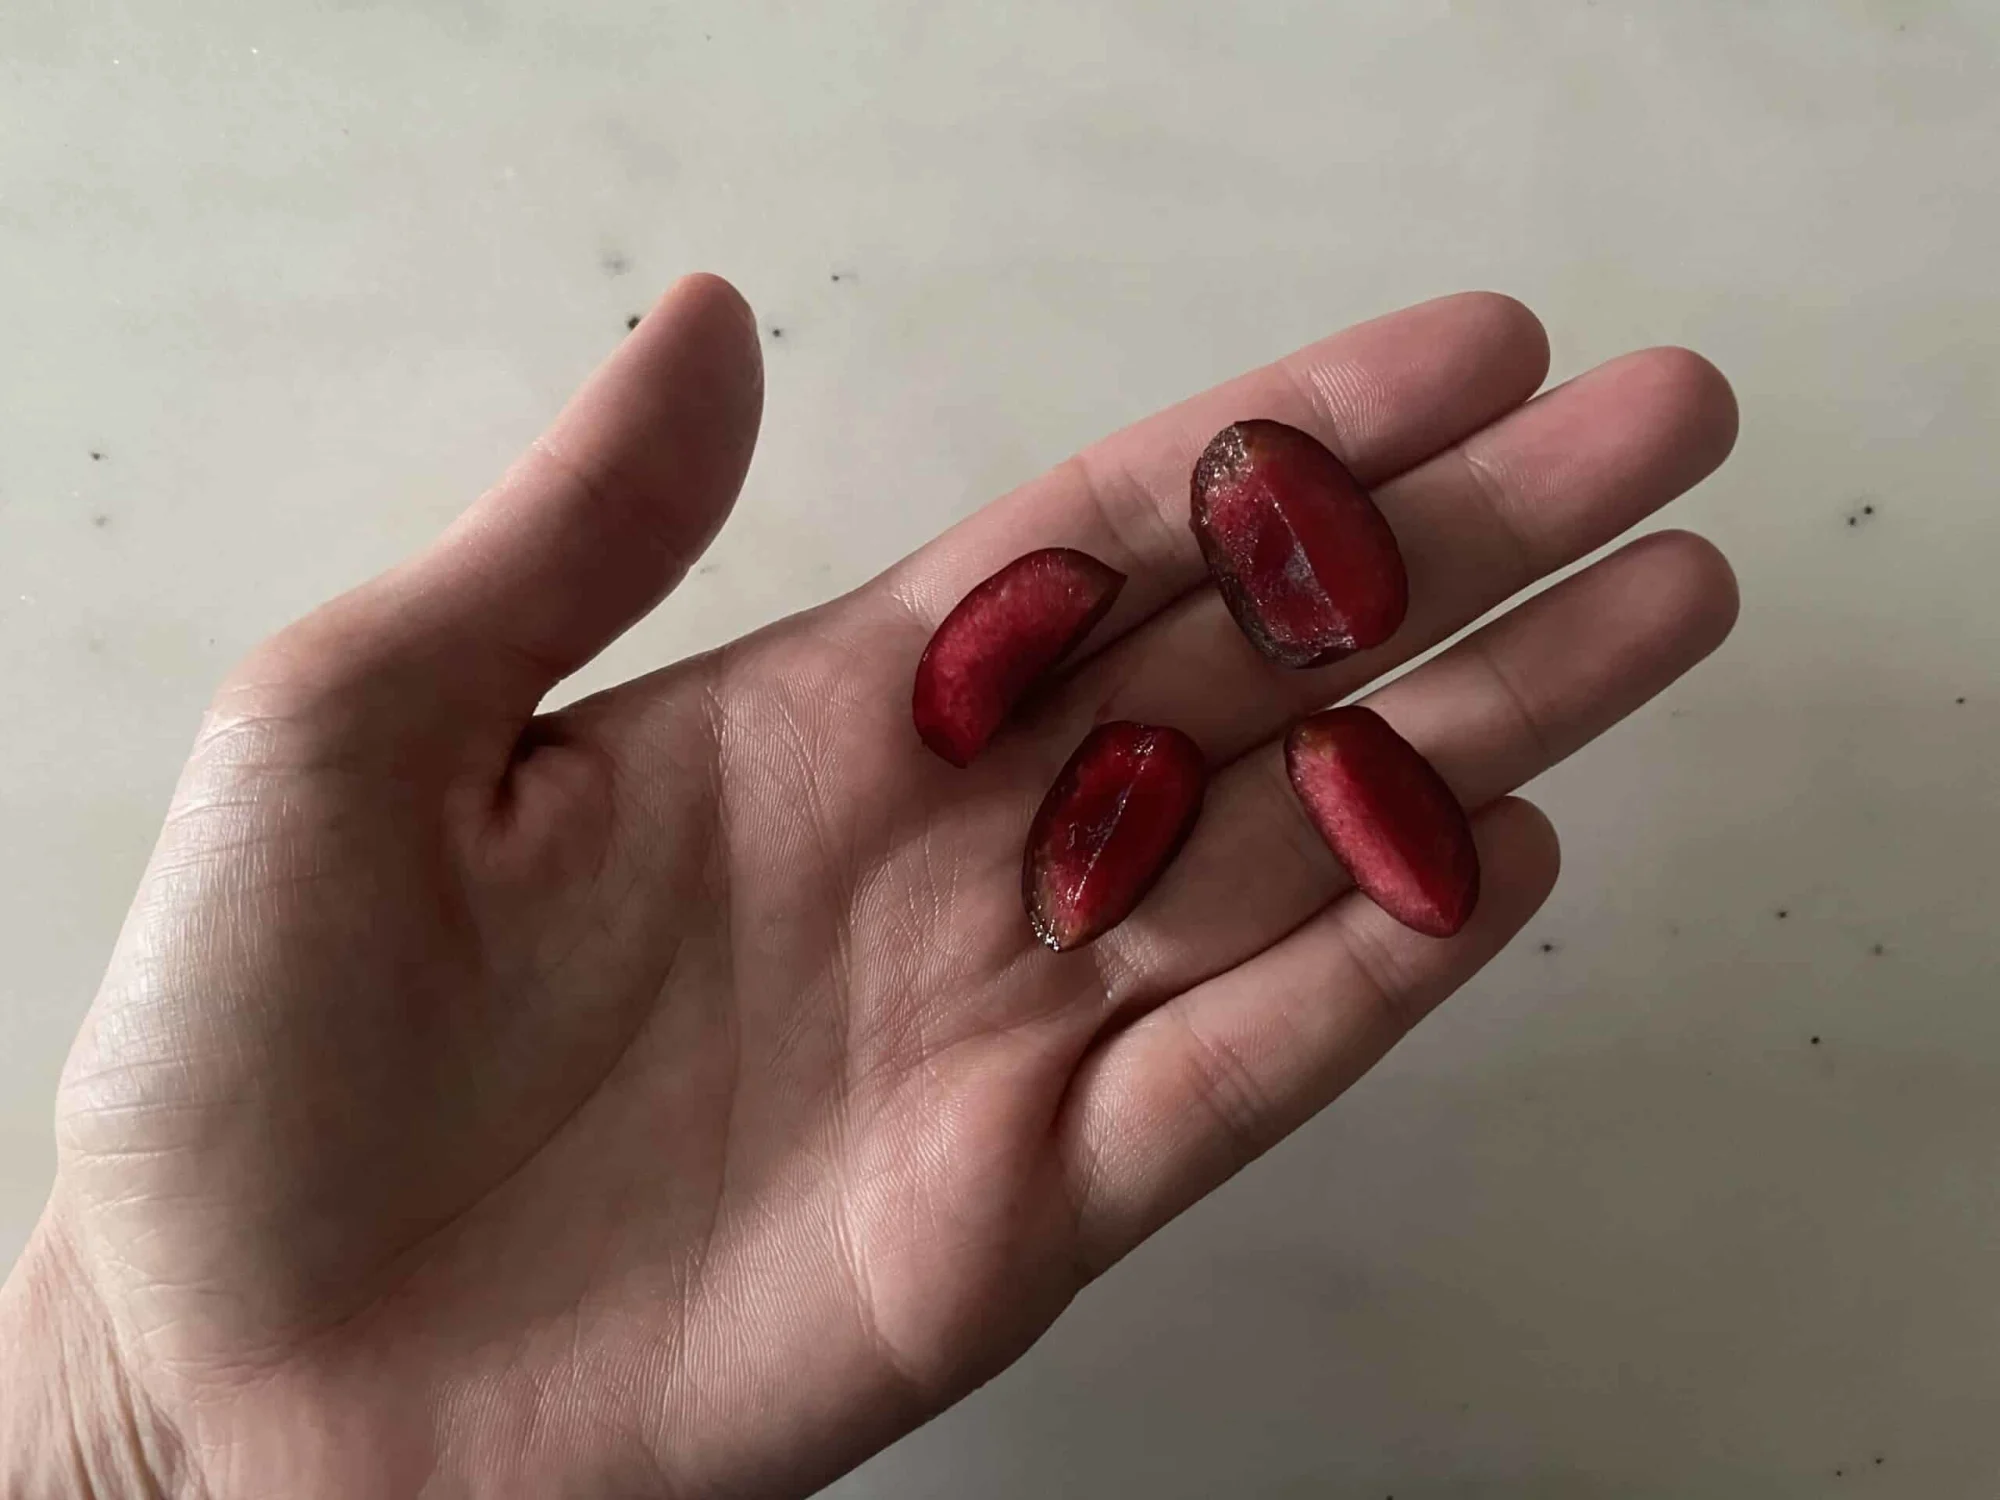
x: 281, y: 286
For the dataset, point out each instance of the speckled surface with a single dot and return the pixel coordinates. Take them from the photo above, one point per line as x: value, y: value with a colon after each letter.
x: 281, y: 286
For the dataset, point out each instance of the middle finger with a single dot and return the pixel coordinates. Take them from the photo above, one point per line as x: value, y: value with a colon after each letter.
x: 1478, y: 523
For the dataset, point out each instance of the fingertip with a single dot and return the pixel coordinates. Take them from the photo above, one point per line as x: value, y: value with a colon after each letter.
x: 1701, y: 583
x: 1504, y: 328
x: 1698, y: 400
x: 1521, y: 859
x: 1489, y: 321
x: 1515, y: 835
x: 1512, y: 322
x: 1674, y: 586
x: 1400, y: 388
x: 712, y: 295
x: 699, y: 367
x: 705, y: 312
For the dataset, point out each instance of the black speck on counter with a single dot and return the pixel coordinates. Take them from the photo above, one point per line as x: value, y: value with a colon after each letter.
x: 1548, y: 947
x: 1867, y: 510
x: 632, y: 322
x: 1961, y: 700
x: 1815, y: 1041
x: 1783, y: 913
x: 97, y: 455
x: 777, y: 332
x: 1878, y: 950
x: 100, y: 520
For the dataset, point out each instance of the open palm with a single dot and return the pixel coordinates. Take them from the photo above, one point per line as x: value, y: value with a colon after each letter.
x: 667, y: 1095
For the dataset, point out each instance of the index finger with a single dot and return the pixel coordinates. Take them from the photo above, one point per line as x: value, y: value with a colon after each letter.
x: 1385, y: 395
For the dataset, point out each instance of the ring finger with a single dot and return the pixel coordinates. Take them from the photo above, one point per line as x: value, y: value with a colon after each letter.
x: 1492, y: 713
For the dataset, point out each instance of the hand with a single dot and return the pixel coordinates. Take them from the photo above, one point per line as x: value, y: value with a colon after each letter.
x: 666, y: 1096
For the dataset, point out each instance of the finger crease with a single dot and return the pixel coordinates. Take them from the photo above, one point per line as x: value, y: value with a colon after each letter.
x: 1229, y: 1091
x: 1375, y: 973
x: 1119, y: 501
x: 1339, y: 397
x: 1529, y: 721
x: 1503, y: 506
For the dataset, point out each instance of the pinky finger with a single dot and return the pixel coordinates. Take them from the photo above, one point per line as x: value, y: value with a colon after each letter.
x: 1164, y: 1111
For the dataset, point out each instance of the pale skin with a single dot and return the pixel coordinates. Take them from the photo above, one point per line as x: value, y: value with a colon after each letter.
x: 666, y: 1096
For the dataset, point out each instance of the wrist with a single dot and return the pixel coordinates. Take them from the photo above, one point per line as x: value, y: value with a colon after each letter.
x: 72, y: 1425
